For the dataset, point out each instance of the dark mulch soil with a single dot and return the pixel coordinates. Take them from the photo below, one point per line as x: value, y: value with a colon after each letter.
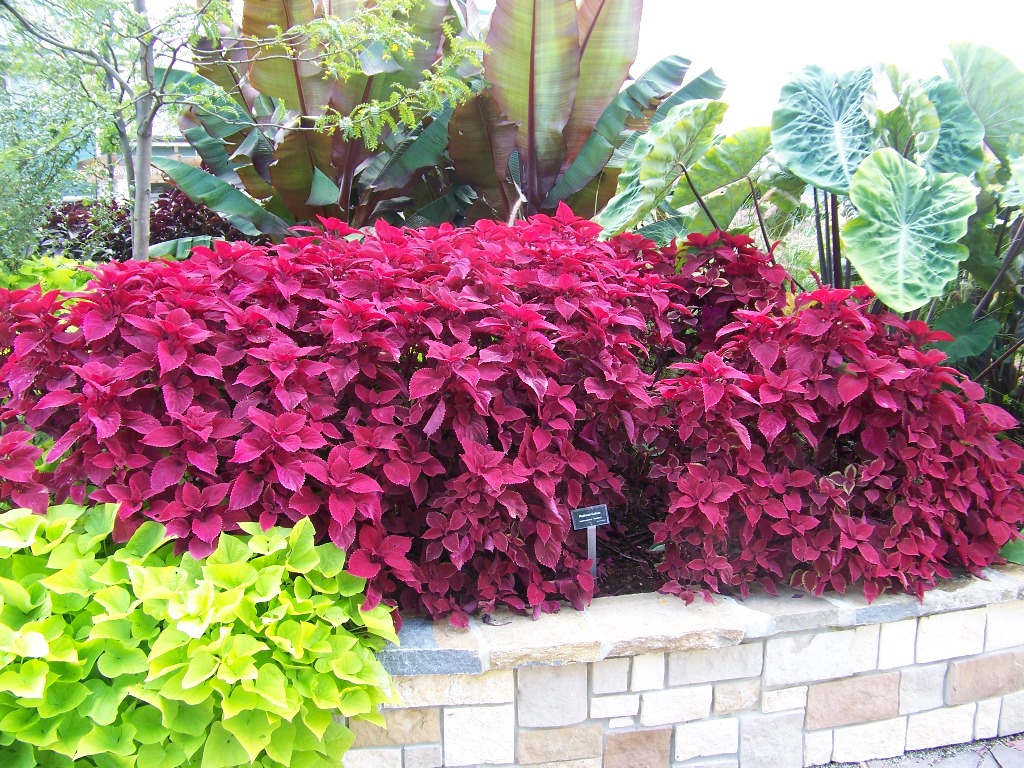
x: 625, y: 562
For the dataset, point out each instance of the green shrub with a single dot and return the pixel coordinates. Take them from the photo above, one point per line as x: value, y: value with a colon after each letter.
x: 52, y: 272
x: 137, y: 656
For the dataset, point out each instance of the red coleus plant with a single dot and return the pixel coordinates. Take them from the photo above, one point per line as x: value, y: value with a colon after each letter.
x: 821, y: 444
x: 436, y: 401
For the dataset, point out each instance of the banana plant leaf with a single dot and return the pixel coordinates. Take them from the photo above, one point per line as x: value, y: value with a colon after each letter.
x: 707, y: 85
x: 609, y: 36
x: 443, y: 209
x: 903, y: 242
x: 727, y: 162
x: 299, y: 173
x: 630, y: 108
x: 994, y: 87
x: 960, y: 147
x: 821, y: 130
x: 179, y: 248
x: 534, y: 67
x: 970, y: 337
x: 296, y: 80
x: 480, y: 143
x: 657, y: 161
x: 240, y: 210
x: 422, y: 148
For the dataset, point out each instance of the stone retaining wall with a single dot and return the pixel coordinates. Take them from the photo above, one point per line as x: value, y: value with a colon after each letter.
x: 771, y: 682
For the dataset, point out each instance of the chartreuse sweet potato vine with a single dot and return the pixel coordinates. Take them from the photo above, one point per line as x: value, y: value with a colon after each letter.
x: 140, y: 657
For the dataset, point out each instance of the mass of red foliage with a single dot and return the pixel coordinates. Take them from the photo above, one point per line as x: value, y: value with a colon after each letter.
x: 437, y: 400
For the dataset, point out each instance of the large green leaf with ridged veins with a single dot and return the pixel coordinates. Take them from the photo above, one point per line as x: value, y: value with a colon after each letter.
x: 994, y: 87
x: 960, y: 146
x: 239, y: 209
x: 820, y: 130
x: 728, y: 161
x: 903, y: 242
x: 533, y: 66
x: 658, y: 160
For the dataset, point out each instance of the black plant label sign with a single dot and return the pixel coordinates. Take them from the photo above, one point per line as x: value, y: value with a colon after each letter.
x: 589, y: 517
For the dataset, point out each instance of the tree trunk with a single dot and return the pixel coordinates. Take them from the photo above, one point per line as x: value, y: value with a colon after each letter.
x: 145, y: 113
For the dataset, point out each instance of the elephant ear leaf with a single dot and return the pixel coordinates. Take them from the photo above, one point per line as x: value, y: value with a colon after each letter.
x: 903, y: 242
x: 658, y: 160
x: 970, y: 337
x: 820, y: 130
x: 994, y: 88
x: 960, y: 146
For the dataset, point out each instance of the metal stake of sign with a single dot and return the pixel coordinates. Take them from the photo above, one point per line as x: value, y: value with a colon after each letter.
x: 592, y: 549
x: 590, y: 518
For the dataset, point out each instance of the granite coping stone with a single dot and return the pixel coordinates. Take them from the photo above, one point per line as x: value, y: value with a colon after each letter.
x: 628, y: 625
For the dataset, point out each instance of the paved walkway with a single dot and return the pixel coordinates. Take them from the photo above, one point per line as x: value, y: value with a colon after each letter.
x: 1007, y: 752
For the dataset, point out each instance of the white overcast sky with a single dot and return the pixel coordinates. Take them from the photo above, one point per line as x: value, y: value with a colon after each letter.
x: 754, y: 45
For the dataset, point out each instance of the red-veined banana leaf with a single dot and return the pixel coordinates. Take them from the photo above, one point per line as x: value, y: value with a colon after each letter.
x: 349, y: 157
x: 608, y: 44
x: 480, y: 144
x: 534, y: 68
x: 629, y: 114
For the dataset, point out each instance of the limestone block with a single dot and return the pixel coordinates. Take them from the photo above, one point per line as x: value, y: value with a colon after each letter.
x: 772, y: 741
x: 610, y: 676
x: 707, y: 738
x: 652, y: 622
x: 496, y: 687
x: 808, y: 658
x: 712, y: 762
x: 897, y: 644
x: 854, y: 743
x: 622, y: 722
x: 790, y: 611
x: 463, y: 728
x: 882, y: 610
x: 1011, y: 714
x: 731, y: 663
x: 548, y: 745
x: 675, y: 705
x: 817, y: 747
x: 373, y: 758
x: 424, y: 756
x: 964, y: 592
x: 939, y: 727
x: 565, y: 637
x: 986, y: 720
x: 985, y: 677
x: 404, y: 726
x: 617, y: 705
x: 853, y: 700
x: 648, y: 672
x: 737, y: 696
x: 552, y: 696
x: 1005, y: 628
x: 949, y: 635
x: 921, y: 688
x: 590, y: 762
x: 637, y: 749
x: 784, y: 699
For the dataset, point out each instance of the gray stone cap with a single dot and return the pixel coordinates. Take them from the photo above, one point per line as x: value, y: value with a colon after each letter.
x: 648, y: 623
